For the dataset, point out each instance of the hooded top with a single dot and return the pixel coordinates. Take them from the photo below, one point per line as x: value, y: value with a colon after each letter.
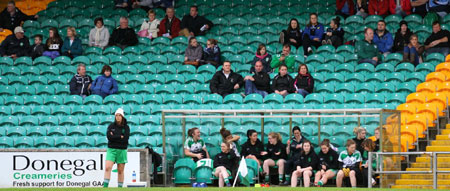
x: 305, y: 82
x: 330, y: 160
x: 400, y: 41
x: 281, y: 83
x: 249, y: 149
x: 227, y: 160
x: 266, y: 59
x: 307, y: 160
x: 114, y: 133
x: 272, y: 149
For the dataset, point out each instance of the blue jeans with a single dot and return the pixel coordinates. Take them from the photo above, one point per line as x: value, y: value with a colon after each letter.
x: 303, y: 92
x: 408, y: 51
x: 250, y: 88
x: 443, y: 50
x: 368, y: 60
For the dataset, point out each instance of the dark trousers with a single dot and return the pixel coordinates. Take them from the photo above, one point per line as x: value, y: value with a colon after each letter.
x: 289, y: 165
x: 307, y: 43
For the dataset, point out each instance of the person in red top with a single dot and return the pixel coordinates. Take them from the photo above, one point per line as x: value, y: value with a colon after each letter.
x: 403, y: 9
x: 379, y: 7
x: 170, y: 26
x: 345, y: 7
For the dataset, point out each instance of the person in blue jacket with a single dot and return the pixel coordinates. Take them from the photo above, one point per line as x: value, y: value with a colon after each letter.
x: 312, y: 35
x: 383, y: 38
x: 105, y: 84
x: 72, y: 44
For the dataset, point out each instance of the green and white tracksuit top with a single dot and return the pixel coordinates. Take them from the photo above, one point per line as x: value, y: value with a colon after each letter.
x: 349, y: 160
x: 194, y: 147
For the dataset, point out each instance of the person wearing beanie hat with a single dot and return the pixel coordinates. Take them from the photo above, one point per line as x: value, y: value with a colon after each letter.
x: 401, y: 37
x: 118, y: 133
x: 15, y: 45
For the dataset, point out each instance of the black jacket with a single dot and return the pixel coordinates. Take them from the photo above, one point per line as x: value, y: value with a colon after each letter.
x: 281, y: 83
x: 262, y: 81
x: 307, y: 160
x: 79, y: 85
x: 224, y: 86
x: 249, y: 149
x: 358, y: 144
x: 293, y: 147
x: 195, y: 24
x: 272, y: 149
x: 339, y: 33
x: 266, y: 60
x: 36, y: 51
x: 113, y: 134
x: 8, y: 22
x: 227, y: 160
x: 12, y: 45
x: 304, y: 82
x: 330, y: 160
x: 123, y: 37
x: 54, y: 44
x: 293, y: 34
x: 400, y: 41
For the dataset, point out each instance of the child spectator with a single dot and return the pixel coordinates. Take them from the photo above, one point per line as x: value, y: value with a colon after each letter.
x: 53, y: 44
x: 105, y: 84
x: 211, y: 53
x: 264, y: 57
x: 38, y: 48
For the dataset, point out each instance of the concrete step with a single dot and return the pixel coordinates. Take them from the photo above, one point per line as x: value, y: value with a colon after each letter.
x: 445, y: 131
x: 440, y: 142
x: 428, y: 165
x: 438, y: 148
x: 447, y: 126
x: 442, y: 182
x: 428, y: 159
x: 442, y: 137
x: 425, y: 176
x: 446, y: 187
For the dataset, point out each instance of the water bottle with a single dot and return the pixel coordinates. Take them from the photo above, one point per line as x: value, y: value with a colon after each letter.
x: 194, y: 184
x: 133, y: 176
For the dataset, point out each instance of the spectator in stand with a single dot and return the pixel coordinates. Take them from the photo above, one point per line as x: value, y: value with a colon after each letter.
x: 403, y: 8
x: 438, y: 41
x: 304, y: 82
x: 123, y: 36
x: 99, y: 35
x: 275, y: 155
x: 293, y: 34
x: 401, y: 37
x: 224, y: 163
x: 124, y: 4
x: 105, y: 84
x: 80, y: 84
x: 305, y: 164
x: 72, y: 44
x: 194, y: 24
x: 379, y: 7
x: 328, y: 163
x: 264, y: 57
x: 335, y: 34
x: 194, y: 146
x: 383, y: 39
x: 146, y: 4
x: 349, y: 161
x: 386, y: 144
x: 440, y: 7
x: 11, y: 17
x: 312, y: 35
x: 285, y: 58
x: 366, y: 50
x: 170, y: 25
x: 211, y: 53
x: 193, y: 53
x: 419, y: 7
x: 253, y: 148
x: 362, y: 8
x: 226, y: 81
x: 15, y: 45
x: 293, y: 149
x: 413, y: 51
x: 150, y: 27
x: 369, y: 146
x: 53, y: 44
x: 360, y: 133
x: 283, y: 83
x: 345, y: 8
x: 227, y: 137
x: 38, y: 48
x: 258, y: 83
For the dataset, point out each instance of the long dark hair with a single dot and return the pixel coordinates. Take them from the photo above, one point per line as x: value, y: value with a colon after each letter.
x: 250, y: 133
x: 55, y: 39
x: 337, y: 21
x: 311, y: 147
x: 297, y: 30
x: 260, y: 46
x: 225, y: 133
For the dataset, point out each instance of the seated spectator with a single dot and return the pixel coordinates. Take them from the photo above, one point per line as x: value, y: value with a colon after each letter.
x: 224, y: 163
x: 15, y: 45
x: 264, y: 57
x: 345, y: 8
x: 401, y: 37
x: 53, y: 44
x: 227, y: 137
x: 253, y: 147
x: 123, y: 36
x: 328, y: 163
x: 258, y: 83
x: 293, y: 150
x: 275, y: 155
x: 38, y: 48
x: 349, y: 161
x: 413, y: 51
x: 335, y: 34
x: 150, y: 27
x: 105, y: 84
x: 194, y: 24
x: 312, y: 35
x: 146, y: 4
x: 194, y: 146
x: 366, y: 50
x: 124, y: 4
x: 360, y: 133
x: 293, y: 34
x: 225, y: 82
x: 283, y: 83
x: 99, y: 35
x: 80, y: 84
x: 11, y: 17
x: 440, y: 7
x: 438, y: 41
x: 285, y: 58
x: 379, y: 7
x: 403, y: 8
x: 72, y: 44
x: 305, y: 164
x: 369, y: 146
x: 193, y: 53
x: 211, y: 53
x: 304, y: 82
x: 383, y: 39
x: 362, y: 8
x: 419, y: 7
x: 170, y: 25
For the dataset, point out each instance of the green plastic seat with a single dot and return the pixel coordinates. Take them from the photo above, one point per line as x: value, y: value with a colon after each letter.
x: 365, y: 88
x: 274, y: 98
x: 93, y: 100
x: 327, y: 88
x: 8, y: 90
x: 26, y: 90
x: 132, y: 99
x: 21, y: 110
x: 365, y: 68
x: 354, y: 21
x: 156, y: 80
x: 84, y: 142
x: 404, y: 68
x: 73, y: 100
x: 406, y: 87
x: 416, y: 77
x: 81, y: 110
x: 397, y: 98
x: 89, y: 120
x: 112, y: 50
x: 135, y: 79
x: 23, y: 142
x: 36, y: 131
x: 345, y: 69
x: 183, y: 170
x: 12, y: 70
x: 152, y: 99
x: 253, y: 99
x: 334, y: 77
x: 213, y: 99
x: 386, y: 87
x: 55, y: 110
x: 98, y: 131
x: 100, y: 110
x: 192, y: 99
x: 77, y: 131
x: 113, y: 99
x: 175, y: 79
x: 30, y: 71
x: 233, y: 99
x: 334, y: 99
x: 5, y: 110
x: 127, y: 89
x: 44, y: 142
x: 101, y: 142
x: 208, y: 69
x: 6, y: 61
x: 395, y: 77
x: 14, y: 100
x: 375, y: 98
x: 48, y: 120
x: 106, y: 120
x: 354, y: 98
x: 138, y: 89
x: 47, y: 90
x: 413, y: 20
x: 202, y: 89
x: 435, y: 57
x: 314, y: 98
x: 164, y: 89
x: 23, y: 60
x: 347, y: 88
x: 145, y: 141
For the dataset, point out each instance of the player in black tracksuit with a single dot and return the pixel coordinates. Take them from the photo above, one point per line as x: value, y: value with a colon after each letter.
x: 223, y: 164
x: 293, y: 149
x: 328, y: 163
x: 253, y: 147
x: 306, y: 163
x: 275, y: 155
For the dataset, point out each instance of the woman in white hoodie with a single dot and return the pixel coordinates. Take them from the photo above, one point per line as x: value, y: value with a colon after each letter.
x: 151, y: 26
x: 99, y: 35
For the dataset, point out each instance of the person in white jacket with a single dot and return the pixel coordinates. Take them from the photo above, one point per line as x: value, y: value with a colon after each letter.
x: 151, y: 25
x: 99, y: 35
